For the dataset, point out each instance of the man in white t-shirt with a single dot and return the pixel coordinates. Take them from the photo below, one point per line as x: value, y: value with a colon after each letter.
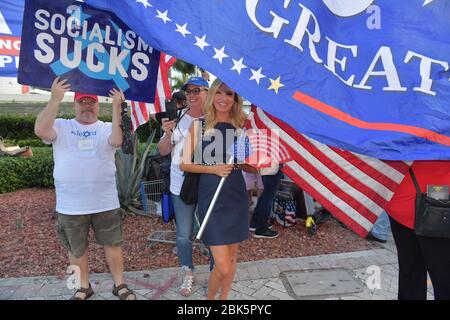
x: 85, y: 182
x: 175, y: 132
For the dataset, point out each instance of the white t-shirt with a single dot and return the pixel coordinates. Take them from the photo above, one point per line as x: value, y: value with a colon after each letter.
x: 85, y: 170
x: 178, y: 136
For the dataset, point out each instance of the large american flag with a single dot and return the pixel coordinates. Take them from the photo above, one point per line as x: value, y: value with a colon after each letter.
x: 353, y: 187
x: 141, y: 111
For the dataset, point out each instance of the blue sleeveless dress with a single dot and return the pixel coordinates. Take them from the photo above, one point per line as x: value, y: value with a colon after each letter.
x: 228, y: 222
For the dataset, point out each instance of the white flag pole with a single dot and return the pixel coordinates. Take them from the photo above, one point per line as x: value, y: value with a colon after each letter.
x: 213, y: 203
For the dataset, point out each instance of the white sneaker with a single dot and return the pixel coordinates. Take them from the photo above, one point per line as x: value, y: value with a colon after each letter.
x: 186, y: 287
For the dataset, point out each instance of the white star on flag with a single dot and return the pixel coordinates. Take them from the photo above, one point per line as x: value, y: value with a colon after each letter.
x: 256, y: 75
x: 182, y: 29
x: 238, y: 65
x: 220, y: 54
x: 145, y: 3
x: 163, y: 16
x: 201, y: 43
x: 425, y: 2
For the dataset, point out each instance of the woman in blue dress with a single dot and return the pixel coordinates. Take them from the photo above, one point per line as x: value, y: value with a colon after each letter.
x: 228, y: 222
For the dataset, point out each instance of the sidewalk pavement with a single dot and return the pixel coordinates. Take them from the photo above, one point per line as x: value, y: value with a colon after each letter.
x: 331, y: 276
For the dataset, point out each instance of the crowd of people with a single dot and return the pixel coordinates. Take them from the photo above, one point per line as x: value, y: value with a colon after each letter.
x: 209, y: 116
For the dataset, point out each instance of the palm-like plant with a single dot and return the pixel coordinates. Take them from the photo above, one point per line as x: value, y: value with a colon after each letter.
x: 185, y: 70
x: 130, y: 168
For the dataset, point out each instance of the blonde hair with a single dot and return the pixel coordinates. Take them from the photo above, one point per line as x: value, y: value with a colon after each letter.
x: 238, y: 115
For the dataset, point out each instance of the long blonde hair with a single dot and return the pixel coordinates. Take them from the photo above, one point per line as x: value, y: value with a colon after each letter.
x: 238, y: 115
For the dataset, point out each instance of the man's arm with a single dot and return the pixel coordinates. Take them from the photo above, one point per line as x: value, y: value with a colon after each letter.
x: 116, y: 137
x: 165, y: 145
x: 43, y: 127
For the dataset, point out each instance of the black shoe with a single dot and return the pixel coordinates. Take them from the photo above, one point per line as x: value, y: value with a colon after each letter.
x: 267, y: 233
x: 253, y: 229
x: 371, y: 237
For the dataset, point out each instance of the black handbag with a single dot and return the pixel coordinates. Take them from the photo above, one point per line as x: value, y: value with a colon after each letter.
x: 189, y: 188
x: 432, y: 217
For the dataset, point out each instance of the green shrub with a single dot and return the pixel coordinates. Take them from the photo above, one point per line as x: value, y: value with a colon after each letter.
x: 26, y: 142
x: 21, y: 127
x: 17, y: 127
x: 18, y: 173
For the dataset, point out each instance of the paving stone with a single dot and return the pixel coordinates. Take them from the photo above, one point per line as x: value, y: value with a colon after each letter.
x: 7, y: 292
x: 242, y: 296
x: 349, y: 298
x: 277, y: 286
x: 107, y: 295
x: 284, y: 267
x: 107, y: 286
x: 257, y: 284
x: 246, y: 283
x: 270, y: 297
x: 262, y: 292
x: 51, y: 290
x: 172, y: 295
x: 243, y: 274
x: 274, y: 270
x: 281, y: 295
x: 242, y: 289
x: 26, y: 291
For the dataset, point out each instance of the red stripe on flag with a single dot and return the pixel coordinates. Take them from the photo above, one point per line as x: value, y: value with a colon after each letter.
x: 358, y: 162
x: 400, y: 166
x: 157, y: 103
x: 164, y: 74
x: 134, y: 115
x: 144, y: 111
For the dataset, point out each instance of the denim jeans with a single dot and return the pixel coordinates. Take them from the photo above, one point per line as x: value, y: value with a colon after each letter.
x: 184, y: 216
x: 380, y: 228
x: 261, y: 214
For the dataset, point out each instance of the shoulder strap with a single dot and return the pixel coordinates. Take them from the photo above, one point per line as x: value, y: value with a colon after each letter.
x: 416, y: 185
x: 182, y: 114
x: 203, y: 126
x: 202, y: 123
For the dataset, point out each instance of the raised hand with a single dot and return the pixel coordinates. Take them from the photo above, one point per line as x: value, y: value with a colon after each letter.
x: 58, y: 89
x: 167, y: 125
x: 117, y: 97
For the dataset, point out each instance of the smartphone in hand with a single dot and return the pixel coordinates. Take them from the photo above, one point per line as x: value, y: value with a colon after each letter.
x: 171, y: 109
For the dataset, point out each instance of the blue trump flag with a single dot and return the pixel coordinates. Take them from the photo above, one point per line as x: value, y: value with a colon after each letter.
x: 91, y: 48
x: 369, y: 76
x: 11, y: 12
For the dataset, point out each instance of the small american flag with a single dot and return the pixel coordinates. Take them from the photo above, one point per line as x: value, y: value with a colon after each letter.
x: 259, y: 148
x: 353, y: 187
x: 141, y: 111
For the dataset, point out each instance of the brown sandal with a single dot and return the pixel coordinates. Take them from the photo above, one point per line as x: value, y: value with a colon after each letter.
x: 123, y: 296
x: 88, y: 292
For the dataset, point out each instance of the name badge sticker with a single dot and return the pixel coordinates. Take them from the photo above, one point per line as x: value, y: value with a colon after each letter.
x: 85, y: 144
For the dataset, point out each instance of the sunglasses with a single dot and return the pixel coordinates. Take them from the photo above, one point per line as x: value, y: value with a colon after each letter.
x: 86, y: 102
x: 195, y: 91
